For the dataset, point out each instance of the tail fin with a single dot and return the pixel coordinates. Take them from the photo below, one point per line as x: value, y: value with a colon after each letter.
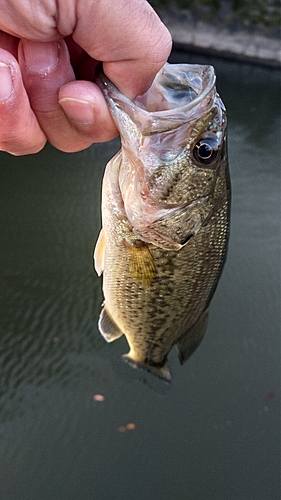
x: 160, y: 371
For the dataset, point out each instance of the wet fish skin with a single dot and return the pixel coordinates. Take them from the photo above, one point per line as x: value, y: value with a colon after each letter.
x: 165, y: 216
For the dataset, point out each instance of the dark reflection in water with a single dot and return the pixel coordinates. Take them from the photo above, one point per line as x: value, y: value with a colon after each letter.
x: 215, y: 434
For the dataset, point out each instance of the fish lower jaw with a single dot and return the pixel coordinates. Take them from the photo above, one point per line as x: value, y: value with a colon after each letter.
x: 160, y: 371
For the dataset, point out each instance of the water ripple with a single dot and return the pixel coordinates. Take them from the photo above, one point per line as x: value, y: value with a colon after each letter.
x: 47, y: 330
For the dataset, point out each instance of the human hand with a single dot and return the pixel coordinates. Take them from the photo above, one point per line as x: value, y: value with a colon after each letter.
x: 48, y: 54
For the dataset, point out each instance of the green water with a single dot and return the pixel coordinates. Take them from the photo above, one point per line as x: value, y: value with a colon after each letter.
x: 215, y: 434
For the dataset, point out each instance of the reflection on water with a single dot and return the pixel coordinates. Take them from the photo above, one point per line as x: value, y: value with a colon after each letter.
x: 215, y: 434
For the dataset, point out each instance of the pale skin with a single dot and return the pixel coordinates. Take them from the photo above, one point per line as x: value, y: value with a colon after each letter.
x: 48, y: 53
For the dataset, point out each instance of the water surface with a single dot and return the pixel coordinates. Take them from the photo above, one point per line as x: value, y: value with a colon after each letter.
x: 215, y: 434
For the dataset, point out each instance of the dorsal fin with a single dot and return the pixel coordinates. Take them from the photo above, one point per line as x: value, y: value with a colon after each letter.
x: 108, y: 328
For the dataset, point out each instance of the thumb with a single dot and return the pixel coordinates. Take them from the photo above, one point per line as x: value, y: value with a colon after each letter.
x: 128, y: 37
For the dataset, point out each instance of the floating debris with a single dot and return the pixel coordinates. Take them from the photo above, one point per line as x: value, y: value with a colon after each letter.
x: 98, y: 397
x: 130, y: 427
x: 125, y: 428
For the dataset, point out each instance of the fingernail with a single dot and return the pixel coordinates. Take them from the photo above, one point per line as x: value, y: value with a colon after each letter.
x: 6, y: 82
x: 41, y: 57
x: 78, y: 110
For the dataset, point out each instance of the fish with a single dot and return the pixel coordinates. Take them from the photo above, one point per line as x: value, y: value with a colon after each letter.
x: 165, y: 215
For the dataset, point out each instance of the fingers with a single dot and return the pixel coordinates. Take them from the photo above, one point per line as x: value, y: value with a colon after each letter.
x: 84, y: 105
x: 20, y: 132
x: 40, y: 101
x: 39, y: 97
x: 45, y: 67
x: 72, y: 114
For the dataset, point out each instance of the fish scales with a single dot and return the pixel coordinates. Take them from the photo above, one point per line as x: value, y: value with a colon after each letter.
x: 165, y: 210
x: 148, y: 314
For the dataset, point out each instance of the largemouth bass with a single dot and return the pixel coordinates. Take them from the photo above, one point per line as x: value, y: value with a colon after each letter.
x: 165, y: 215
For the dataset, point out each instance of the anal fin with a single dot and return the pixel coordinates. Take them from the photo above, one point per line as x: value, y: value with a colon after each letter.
x: 108, y: 328
x: 191, y: 339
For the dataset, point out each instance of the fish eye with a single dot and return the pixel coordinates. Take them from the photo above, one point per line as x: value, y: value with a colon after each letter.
x: 205, y: 150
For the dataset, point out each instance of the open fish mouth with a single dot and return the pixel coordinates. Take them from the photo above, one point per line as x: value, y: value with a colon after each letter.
x: 175, y: 97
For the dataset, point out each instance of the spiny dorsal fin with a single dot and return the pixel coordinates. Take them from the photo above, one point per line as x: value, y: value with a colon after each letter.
x: 108, y: 328
x: 189, y: 342
x: 141, y: 263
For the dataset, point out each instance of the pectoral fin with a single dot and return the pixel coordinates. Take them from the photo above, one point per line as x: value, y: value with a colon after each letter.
x: 141, y: 263
x: 108, y: 328
x: 189, y: 342
x: 99, y: 253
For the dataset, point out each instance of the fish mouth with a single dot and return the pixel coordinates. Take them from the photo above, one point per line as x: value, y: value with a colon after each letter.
x: 176, y: 96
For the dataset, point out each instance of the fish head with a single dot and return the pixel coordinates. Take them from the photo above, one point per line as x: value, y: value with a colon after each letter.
x: 173, y: 171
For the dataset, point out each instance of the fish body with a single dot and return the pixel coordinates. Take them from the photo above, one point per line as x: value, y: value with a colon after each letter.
x: 165, y: 214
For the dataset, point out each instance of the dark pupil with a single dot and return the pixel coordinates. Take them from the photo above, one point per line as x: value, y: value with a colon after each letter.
x: 205, y: 151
